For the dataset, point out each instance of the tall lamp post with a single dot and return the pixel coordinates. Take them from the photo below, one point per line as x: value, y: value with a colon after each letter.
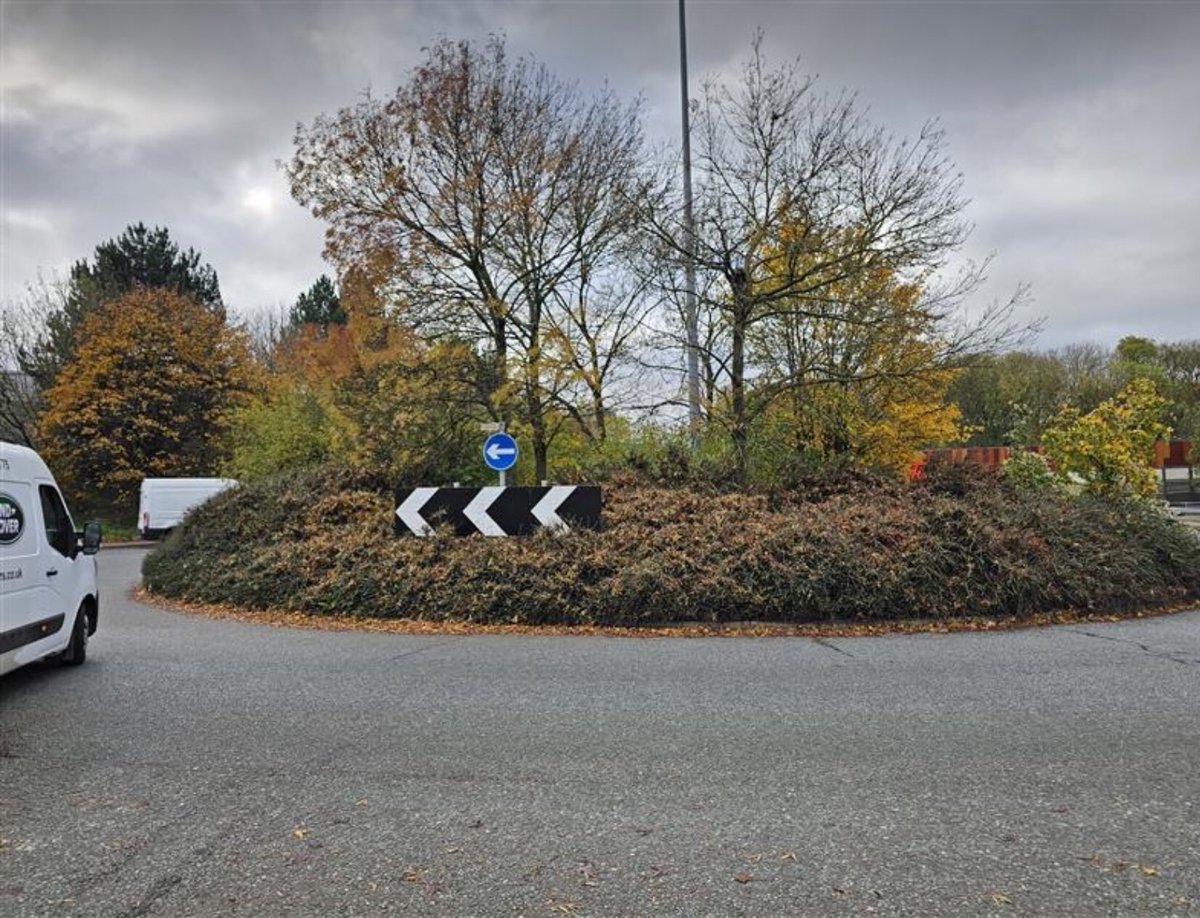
x: 691, y: 320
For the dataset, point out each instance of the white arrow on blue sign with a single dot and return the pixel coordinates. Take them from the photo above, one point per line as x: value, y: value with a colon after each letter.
x: 500, y: 452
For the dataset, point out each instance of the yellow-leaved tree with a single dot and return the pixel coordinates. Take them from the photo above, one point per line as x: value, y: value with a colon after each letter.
x: 1111, y: 449
x: 149, y: 393
x: 904, y: 416
x: 860, y: 372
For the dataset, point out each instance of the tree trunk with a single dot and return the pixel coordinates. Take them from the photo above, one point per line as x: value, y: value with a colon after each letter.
x: 599, y: 412
x: 737, y: 388
x: 534, y: 403
x: 499, y: 365
x: 540, y: 450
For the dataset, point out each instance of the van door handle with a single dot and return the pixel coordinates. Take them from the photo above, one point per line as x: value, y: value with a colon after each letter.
x: 51, y: 573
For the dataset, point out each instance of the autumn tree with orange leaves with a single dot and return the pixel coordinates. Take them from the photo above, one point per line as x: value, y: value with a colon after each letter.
x: 154, y: 381
x: 500, y: 203
x: 368, y: 392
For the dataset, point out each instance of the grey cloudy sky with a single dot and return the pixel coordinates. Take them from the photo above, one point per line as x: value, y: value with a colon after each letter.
x: 1077, y: 126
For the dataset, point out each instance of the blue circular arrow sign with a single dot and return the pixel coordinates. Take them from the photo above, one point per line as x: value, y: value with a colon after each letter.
x: 500, y: 452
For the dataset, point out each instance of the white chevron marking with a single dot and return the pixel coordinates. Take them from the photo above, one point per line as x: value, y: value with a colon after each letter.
x: 476, y: 511
x: 546, y: 509
x: 409, y: 511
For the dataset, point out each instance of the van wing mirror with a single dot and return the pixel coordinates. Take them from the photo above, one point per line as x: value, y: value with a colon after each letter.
x: 91, y: 537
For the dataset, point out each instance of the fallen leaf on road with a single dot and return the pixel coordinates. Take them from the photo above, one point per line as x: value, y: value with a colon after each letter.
x: 451, y: 850
x: 999, y: 899
x: 433, y: 887
x: 412, y: 875
x: 299, y: 832
x: 788, y: 856
x: 1148, y: 871
x: 695, y: 630
x: 743, y: 877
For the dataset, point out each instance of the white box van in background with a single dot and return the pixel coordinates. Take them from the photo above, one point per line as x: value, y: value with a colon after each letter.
x: 164, y: 502
x: 49, y: 602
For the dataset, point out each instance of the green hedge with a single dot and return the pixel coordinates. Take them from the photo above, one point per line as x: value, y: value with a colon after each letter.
x: 958, y: 544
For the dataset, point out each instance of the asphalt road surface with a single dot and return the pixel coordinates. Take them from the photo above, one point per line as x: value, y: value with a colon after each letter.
x: 200, y: 767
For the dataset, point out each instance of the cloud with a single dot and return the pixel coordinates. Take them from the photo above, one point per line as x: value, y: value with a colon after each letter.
x: 27, y: 221
x: 1074, y: 125
x: 121, y: 111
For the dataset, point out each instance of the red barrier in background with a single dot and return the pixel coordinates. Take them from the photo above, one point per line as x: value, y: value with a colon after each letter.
x: 1167, y: 454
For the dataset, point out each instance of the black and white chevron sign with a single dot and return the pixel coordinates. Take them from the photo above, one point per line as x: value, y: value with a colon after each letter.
x: 497, y: 511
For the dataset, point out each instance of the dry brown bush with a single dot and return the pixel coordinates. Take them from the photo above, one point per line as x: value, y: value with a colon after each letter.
x: 956, y: 545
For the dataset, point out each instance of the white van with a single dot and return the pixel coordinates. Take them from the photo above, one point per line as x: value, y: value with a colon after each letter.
x: 49, y: 603
x: 164, y: 502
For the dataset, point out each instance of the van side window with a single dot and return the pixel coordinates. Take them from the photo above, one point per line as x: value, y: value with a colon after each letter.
x: 59, y: 531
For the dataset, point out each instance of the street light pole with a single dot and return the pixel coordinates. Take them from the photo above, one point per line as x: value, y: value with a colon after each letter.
x: 691, y: 320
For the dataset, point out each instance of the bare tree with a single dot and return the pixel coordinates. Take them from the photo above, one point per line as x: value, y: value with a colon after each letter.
x: 797, y: 199
x: 599, y: 327
x: 20, y: 401
x: 487, y: 193
x: 28, y: 327
x: 266, y: 329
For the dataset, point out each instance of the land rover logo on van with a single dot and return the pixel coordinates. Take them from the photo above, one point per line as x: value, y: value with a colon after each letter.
x: 12, y: 520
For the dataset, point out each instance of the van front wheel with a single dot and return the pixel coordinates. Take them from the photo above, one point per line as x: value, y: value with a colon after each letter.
x: 76, y: 651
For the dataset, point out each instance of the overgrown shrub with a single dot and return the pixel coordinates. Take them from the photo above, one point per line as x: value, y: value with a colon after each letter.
x: 1029, y: 472
x: 287, y: 429
x: 851, y: 547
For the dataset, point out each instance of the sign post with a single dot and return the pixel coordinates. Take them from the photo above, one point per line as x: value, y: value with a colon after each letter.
x: 497, y: 511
